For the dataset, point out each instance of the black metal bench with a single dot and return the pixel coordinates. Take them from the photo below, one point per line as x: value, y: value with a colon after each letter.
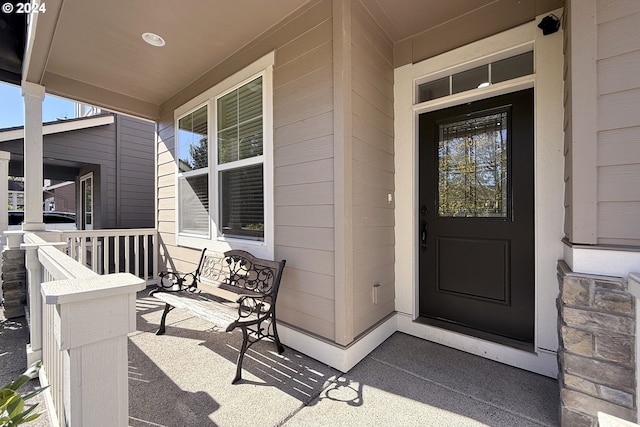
x: 231, y: 290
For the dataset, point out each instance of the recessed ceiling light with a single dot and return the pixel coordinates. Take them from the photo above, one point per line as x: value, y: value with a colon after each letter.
x: 153, y: 39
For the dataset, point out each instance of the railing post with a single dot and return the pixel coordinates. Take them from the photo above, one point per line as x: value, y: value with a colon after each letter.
x: 93, y: 317
x: 34, y: 302
x: 34, y: 280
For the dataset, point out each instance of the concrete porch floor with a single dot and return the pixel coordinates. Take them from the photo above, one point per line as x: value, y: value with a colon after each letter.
x: 183, y: 378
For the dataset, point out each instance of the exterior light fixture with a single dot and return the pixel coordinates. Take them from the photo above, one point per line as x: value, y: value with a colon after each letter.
x: 153, y: 39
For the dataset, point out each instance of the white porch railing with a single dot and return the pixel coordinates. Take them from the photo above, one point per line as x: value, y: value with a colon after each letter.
x: 79, y: 321
x: 113, y: 251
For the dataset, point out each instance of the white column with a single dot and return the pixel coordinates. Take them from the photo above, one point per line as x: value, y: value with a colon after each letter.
x: 33, y: 95
x: 4, y: 195
x: 4, y: 189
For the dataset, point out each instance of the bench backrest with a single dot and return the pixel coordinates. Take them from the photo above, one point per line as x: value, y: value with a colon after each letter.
x: 240, y: 269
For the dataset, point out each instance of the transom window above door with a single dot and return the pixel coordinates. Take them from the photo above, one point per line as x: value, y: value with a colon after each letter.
x: 478, y: 77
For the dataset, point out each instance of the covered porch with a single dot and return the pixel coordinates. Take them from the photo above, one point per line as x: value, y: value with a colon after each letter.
x: 331, y: 165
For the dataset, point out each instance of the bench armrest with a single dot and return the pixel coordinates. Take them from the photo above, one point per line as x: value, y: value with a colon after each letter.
x: 253, y: 305
x: 174, y: 281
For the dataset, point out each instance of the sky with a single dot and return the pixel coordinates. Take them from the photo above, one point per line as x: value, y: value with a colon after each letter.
x: 12, y: 107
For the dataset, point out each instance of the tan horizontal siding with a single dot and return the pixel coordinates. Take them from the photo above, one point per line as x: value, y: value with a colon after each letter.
x: 619, y: 220
x: 619, y: 183
x: 303, y: 164
x: 308, y: 128
x: 305, y: 173
x: 305, y: 151
x: 618, y: 36
x: 316, y: 103
x: 607, y: 10
x: 293, y: 309
x: 619, y: 73
x: 618, y: 54
x: 308, y: 86
x: 372, y: 167
x: 619, y: 147
x: 305, y: 216
x: 303, y: 45
x: 320, y: 238
x: 378, y: 158
x: 316, y: 193
x: 372, y: 115
x: 618, y: 110
x: 309, y: 282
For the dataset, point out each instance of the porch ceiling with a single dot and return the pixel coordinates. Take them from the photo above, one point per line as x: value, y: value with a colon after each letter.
x: 92, y: 50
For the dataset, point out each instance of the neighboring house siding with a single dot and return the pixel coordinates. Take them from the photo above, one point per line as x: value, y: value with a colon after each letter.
x: 65, y: 198
x: 618, y: 62
x: 303, y: 163
x: 123, y: 174
x: 120, y: 155
x: 373, y: 171
x: 135, y: 180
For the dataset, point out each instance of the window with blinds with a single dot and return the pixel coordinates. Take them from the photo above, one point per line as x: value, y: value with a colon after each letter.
x: 236, y: 176
x: 240, y: 161
x: 193, y: 173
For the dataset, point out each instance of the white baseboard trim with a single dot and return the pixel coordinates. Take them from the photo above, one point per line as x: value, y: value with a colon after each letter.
x: 542, y: 362
x: 340, y: 358
x: 601, y: 260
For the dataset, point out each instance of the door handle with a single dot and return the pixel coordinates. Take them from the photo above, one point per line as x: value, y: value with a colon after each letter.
x: 423, y: 236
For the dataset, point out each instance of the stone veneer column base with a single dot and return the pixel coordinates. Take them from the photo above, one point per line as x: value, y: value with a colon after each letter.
x: 14, y: 282
x: 596, y: 354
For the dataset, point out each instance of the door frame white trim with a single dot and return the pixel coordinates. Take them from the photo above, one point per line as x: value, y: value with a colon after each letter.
x: 549, y: 166
x: 83, y: 178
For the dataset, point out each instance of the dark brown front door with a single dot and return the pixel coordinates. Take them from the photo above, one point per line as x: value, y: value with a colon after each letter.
x: 476, y: 218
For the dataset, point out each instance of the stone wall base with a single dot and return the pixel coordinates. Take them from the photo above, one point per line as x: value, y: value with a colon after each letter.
x: 596, y: 357
x: 14, y: 282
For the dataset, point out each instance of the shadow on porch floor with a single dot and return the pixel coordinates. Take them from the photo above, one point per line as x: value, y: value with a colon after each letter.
x: 183, y: 378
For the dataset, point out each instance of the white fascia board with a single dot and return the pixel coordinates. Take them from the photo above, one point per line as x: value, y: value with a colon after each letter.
x: 53, y: 187
x: 59, y: 127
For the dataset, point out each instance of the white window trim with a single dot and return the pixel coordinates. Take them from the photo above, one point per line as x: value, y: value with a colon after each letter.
x: 263, y: 249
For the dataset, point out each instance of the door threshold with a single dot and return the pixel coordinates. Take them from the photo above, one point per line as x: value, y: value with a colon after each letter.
x: 487, y: 336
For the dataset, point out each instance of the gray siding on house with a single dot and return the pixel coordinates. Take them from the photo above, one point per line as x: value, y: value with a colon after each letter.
x: 303, y: 165
x: 618, y: 62
x: 134, y: 178
x: 373, y: 170
x: 121, y: 156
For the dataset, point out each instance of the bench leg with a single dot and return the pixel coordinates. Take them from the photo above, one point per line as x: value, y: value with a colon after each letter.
x: 243, y: 349
x: 167, y: 309
x: 279, y: 346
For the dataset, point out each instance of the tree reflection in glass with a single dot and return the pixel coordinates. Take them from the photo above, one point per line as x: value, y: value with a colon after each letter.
x: 472, y: 167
